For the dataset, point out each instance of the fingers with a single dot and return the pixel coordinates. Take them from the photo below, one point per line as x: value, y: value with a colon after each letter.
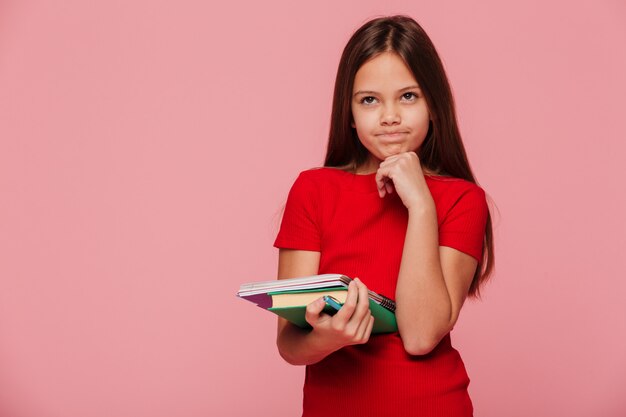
x: 381, y: 181
x: 356, y: 327
x: 313, y: 310
x: 357, y: 302
x: 365, y: 328
x: 343, y: 315
x: 352, y: 324
x: 370, y: 326
x: 363, y: 304
x: 396, y: 167
x: 360, y: 318
x: 384, y: 182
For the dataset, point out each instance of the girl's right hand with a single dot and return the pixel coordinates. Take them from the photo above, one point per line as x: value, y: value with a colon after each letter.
x: 351, y: 325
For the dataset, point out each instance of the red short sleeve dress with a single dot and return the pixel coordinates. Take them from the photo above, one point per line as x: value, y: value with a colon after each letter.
x: 358, y: 234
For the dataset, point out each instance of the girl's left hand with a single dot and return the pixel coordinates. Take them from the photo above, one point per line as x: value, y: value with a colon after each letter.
x: 404, y: 173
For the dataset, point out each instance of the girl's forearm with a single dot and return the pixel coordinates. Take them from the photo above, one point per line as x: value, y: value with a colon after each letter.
x: 423, y: 306
x: 300, y: 346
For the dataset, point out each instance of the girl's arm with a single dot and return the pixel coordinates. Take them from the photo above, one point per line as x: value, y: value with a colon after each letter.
x: 433, y: 283
x: 433, y: 280
x: 352, y: 324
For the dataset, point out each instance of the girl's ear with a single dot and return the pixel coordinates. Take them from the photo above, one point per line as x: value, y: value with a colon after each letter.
x: 352, y: 124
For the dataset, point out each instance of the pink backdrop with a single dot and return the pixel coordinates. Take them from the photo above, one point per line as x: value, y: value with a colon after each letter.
x: 146, y: 148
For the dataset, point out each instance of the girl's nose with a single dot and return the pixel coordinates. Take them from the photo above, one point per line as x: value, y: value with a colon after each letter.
x: 390, y: 115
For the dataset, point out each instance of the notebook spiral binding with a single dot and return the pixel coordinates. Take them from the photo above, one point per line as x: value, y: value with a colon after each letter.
x: 388, y: 304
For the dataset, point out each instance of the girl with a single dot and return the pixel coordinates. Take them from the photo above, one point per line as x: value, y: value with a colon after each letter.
x: 397, y: 208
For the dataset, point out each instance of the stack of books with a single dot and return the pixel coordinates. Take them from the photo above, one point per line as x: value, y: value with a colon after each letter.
x: 288, y: 298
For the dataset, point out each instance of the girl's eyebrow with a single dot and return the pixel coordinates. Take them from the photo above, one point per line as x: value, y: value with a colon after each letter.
x: 374, y: 92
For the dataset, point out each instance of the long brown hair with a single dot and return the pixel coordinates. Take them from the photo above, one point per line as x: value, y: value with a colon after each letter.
x: 442, y: 151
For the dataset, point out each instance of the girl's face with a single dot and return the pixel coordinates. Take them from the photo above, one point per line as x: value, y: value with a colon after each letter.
x: 389, y: 112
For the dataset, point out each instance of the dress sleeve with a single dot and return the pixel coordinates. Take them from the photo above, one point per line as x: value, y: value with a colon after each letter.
x: 299, y: 228
x: 464, y: 226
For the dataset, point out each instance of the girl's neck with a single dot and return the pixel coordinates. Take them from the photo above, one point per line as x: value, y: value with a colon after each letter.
x: 369, y: 171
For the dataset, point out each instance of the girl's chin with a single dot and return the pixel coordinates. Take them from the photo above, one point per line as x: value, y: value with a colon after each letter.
x: 392, y: 152
x: 387, y: 152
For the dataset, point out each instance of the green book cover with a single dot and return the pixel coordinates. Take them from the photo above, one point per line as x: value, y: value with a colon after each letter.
x: 384, y: 319
x: 264, y: 294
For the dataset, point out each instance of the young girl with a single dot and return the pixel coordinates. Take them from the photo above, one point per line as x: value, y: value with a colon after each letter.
x: 397, y: 208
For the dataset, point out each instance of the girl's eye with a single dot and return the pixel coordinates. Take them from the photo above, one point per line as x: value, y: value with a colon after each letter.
x: 369, y: 99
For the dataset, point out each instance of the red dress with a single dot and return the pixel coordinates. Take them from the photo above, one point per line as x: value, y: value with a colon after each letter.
x: 359, y: 234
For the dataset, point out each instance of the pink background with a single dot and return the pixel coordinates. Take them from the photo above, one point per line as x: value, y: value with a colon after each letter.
x: 146, y: 148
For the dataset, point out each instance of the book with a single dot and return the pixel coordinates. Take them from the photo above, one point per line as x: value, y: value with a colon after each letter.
x: 288, y: 298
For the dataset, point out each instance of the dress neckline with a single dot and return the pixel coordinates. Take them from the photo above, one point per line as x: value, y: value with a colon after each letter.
x: 367, y: 182
x: 372, y: 174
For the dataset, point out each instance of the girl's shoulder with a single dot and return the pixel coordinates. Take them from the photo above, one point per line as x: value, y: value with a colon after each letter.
x: 314, y: 177
x: 320, y: 173
x: 453, y: 182
x: 453, y: 189
x: 333, y: 180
